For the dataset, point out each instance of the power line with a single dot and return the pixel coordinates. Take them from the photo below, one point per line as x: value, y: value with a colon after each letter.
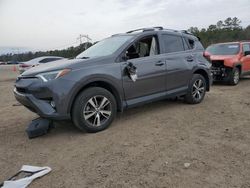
x: 88, y: 39
x: 83, y: 36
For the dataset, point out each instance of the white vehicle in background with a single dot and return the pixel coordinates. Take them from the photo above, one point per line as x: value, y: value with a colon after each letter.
x: 23, y: 66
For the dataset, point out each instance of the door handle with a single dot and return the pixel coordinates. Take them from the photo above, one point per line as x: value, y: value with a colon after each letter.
x: 159, y: 63
x: 190, y: 58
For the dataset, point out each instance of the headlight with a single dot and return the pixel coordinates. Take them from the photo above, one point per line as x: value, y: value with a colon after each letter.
x: 47, y: 76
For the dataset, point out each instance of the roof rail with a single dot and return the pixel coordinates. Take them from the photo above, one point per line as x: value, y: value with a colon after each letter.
x: 187, y: 32
x: 146, y: 29
x: 160, y: 28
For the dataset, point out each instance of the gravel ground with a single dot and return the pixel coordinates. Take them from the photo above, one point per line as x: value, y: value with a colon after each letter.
x: 163, y: 144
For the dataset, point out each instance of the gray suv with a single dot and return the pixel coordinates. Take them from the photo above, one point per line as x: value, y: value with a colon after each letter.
x: 119, y: 72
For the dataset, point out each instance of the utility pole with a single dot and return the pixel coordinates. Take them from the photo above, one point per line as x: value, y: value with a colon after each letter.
x: 88, y: 39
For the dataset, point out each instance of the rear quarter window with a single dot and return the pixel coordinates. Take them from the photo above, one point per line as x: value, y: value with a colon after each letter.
x: 198, y: 45
x: 190, y: 44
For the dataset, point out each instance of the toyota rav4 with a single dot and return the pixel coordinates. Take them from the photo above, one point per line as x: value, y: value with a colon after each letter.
x: 119, y: 72
x: 230, y: 61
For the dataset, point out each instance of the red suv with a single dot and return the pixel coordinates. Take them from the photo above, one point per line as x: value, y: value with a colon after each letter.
x: 230, y: 61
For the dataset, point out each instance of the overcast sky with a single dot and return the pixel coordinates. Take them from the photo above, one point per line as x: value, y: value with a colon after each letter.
x: 51, y: 24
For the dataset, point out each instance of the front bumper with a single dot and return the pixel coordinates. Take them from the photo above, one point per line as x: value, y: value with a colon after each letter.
x: 220, y: 73
x: 41, y: 107
x: 38, y: 96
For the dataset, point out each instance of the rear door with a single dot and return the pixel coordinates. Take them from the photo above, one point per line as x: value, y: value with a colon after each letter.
x: 150, y: 66
x: 246, y: 58
x: 179, y: 62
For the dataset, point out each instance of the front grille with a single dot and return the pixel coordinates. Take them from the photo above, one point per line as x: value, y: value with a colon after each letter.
x: 21, y: 90
x: 218, y: 63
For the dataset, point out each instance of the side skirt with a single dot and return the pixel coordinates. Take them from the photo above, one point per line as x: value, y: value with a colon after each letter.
x: 154, y: 97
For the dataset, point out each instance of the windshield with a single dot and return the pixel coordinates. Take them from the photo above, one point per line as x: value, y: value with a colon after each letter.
x: 105, y: 47
x: 224, y: 49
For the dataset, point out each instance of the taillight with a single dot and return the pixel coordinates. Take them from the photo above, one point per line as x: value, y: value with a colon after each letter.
x: 207, y: 55
x: 24, y: 65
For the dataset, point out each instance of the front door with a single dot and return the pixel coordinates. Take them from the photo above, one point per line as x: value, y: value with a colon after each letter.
x: 246, y: 58
x: 150, y: 70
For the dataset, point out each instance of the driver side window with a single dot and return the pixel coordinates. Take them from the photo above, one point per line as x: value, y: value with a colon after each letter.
x: 246, y: 47
x: 147, y: 46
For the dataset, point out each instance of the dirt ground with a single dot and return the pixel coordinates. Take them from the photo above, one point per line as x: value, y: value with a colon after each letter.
x: 145, y: 146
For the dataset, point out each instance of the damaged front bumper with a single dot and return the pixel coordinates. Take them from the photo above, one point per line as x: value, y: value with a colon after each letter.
x: 42, y: 107
x: 219, y: 71
x: 45, y: 99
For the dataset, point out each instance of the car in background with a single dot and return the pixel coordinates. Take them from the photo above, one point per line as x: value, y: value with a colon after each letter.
x: 230, y: 61
x: 36, y: 61
x: 3, y: 63
x: 13, y: 62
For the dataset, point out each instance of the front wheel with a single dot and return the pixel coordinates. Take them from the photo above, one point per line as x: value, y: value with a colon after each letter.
x: 234, y: 76
x: 94, y: 109
x: 196, y: 90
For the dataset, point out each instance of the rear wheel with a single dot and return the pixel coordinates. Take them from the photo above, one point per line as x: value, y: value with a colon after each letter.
x: 234, y: 76
x: 196, y: 90
x: 94, y: 109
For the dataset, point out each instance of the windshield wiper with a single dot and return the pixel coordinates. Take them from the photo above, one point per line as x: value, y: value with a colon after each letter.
x: 83, y: 58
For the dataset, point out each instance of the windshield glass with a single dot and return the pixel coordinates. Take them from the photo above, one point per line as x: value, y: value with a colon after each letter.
x: 105, y: 47
x: 224, y: 49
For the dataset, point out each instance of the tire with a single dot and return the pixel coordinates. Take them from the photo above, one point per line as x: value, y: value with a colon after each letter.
x: 196, y: 90
x: 94, y: 110
x: 234, y: 76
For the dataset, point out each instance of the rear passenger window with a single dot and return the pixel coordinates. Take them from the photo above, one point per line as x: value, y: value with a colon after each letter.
x: 186, y: 46
x: 172, y: 43
x: 190, y: 43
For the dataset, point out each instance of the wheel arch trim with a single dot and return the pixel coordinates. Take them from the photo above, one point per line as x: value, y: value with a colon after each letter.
x: 98, y: 82
x: 205, y: 74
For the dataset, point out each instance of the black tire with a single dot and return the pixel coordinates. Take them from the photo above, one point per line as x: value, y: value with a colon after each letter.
x: 234, y: 76
x: 195, y: 96
x: 92, y: 119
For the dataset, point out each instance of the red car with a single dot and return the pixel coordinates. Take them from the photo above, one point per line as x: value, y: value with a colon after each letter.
x: 230, y: 61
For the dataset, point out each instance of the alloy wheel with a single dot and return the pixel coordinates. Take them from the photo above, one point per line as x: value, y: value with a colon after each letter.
x: 198, y: 89
x: 97, y: 110
x: 236, y: 76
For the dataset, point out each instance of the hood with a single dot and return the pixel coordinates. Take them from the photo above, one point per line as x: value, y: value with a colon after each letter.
x: 51, y: 66
x: 229, y: 60
x: 222, y: 57
x: 62, y: 64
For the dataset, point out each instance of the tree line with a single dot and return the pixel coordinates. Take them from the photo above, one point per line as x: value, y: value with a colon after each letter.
x: 223, y: 31
x: 70, y: 52
x: 228, y: 30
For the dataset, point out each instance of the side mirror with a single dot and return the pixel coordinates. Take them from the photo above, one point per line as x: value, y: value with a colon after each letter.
x: 246, y: 53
